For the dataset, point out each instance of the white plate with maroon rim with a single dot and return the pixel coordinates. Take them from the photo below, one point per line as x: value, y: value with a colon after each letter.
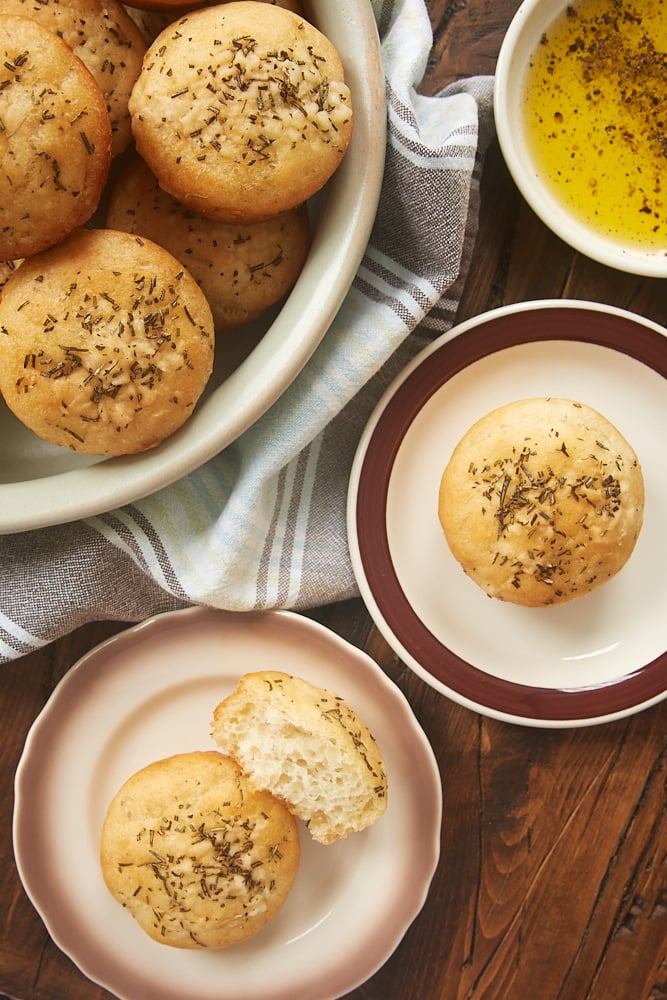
x: 586, y: 662
x: 150, y: 692
x: 41, y: 484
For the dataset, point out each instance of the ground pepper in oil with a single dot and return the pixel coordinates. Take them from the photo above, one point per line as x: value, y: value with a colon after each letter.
x: 595, y: 114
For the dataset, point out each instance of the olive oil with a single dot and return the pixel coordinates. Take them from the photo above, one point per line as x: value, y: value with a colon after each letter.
x: 595, y: 116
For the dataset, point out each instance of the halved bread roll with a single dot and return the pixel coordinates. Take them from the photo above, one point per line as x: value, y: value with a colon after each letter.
x: 306, y: 746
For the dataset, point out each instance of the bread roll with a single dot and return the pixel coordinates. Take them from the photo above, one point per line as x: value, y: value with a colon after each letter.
x: 153, y: 16
x: 108, y: 42
x: 308, y: 747
x: 106, y: 343
x: 198, y: 857
x: 242, y: 269
x: 55, y: 139
x: 542, y: 501
x: 241, y: 110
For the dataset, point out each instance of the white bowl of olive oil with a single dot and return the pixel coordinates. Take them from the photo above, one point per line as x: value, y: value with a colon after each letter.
x: 580, y: 107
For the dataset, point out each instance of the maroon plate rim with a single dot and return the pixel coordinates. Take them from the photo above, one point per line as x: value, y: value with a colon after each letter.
x: 488, y: 335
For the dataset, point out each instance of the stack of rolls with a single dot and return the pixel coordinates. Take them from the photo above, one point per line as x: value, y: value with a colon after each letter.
x: 202, y: 134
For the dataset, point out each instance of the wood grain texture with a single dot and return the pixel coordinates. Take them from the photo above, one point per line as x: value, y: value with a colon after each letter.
x: 552, y: 882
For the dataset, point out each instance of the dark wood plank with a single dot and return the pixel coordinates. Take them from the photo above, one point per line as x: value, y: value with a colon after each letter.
x: 552, y: 866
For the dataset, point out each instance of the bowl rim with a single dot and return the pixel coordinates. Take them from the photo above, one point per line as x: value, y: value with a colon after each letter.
x: 528, y: 23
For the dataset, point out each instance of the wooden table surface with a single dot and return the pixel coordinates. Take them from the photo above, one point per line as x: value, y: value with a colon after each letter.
x: 552, y: 877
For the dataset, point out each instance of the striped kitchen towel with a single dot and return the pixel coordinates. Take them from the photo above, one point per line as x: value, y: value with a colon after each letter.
x: 262, y: 524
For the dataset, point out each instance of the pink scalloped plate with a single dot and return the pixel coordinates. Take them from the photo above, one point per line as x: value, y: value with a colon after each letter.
x: 150, y: 692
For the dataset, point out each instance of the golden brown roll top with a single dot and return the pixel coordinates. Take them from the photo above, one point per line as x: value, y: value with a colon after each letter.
x: 542, y: 501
